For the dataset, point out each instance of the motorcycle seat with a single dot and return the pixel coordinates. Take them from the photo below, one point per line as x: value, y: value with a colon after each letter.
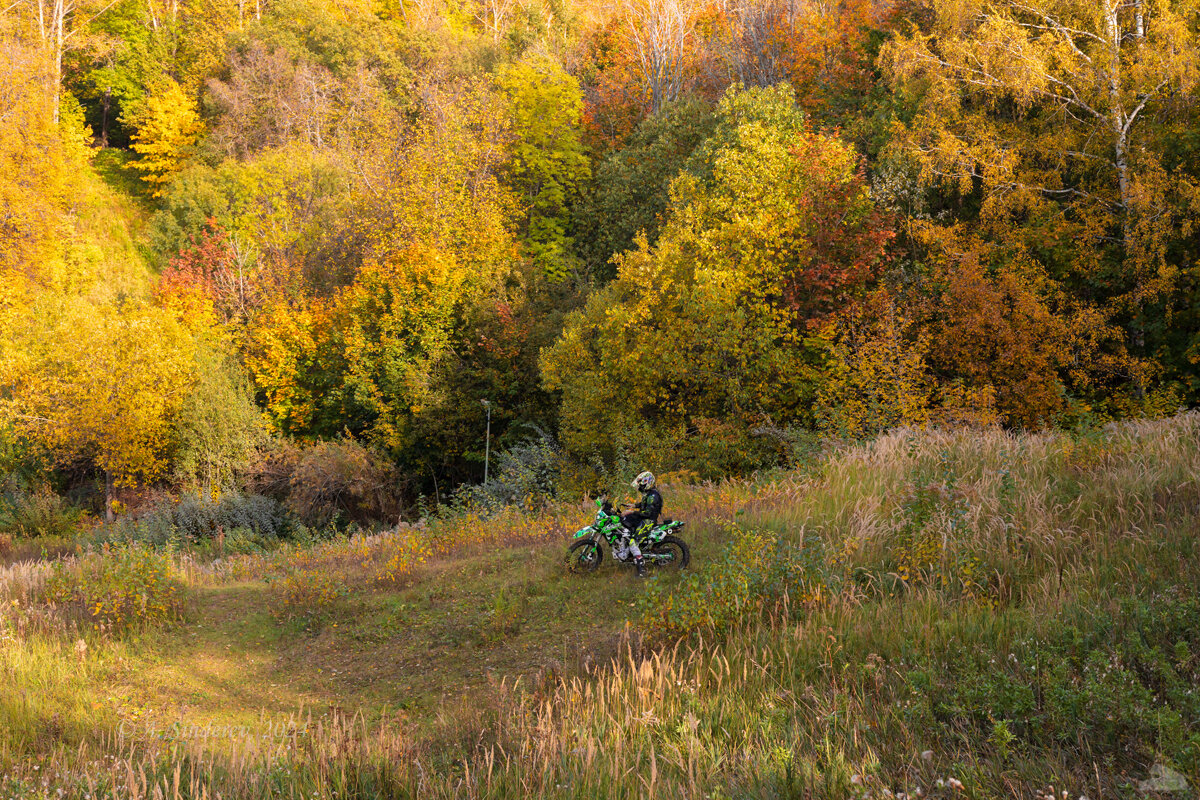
x: 667, y: 521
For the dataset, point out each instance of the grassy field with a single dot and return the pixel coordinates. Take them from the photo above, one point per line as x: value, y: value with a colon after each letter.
x: 967, y: 614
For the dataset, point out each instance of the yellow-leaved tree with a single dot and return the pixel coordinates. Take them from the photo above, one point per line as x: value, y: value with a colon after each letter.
x: 167, y: 124
x: 33, y: 164
x: 1056, y: 119
x: 877, y: 375
x: 549, y: 165
x: 771, y: 229
x: 434, y: 223
x: 95, y: 383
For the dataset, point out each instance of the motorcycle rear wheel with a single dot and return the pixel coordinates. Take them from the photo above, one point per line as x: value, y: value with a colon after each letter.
x: 584, y: 557
x: 676, y: 548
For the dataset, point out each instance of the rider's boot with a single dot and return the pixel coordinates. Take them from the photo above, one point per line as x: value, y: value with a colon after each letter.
x: 640, y: 561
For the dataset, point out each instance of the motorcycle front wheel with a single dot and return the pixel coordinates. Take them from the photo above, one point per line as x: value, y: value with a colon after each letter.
x: 670, y: 553
x: 584, y: 556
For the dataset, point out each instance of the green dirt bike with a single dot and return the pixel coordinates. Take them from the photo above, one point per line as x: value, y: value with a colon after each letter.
x: 658, y: 544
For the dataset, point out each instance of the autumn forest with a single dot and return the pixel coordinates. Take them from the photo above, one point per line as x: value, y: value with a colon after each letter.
x: 243, y: 241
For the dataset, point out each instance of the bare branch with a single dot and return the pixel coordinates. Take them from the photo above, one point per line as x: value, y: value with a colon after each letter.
x: 1145, y: 99
x: 976, y: 76
x: 1057, y: 25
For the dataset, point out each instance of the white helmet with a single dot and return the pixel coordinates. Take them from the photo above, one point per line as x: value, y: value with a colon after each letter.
x: 643, y: 482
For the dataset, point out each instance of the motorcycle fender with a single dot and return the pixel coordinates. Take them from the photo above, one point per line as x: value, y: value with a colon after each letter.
x: 582, y: 532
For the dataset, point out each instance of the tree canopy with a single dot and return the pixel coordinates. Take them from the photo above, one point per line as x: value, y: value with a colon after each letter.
x: 654, y: 229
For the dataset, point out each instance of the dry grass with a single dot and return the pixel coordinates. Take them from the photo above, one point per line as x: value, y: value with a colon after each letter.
x: 898, y: 685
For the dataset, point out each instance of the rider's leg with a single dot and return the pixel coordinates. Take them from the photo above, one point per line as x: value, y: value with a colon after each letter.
x: 621, y: 549
x: 638, y: 560
x: 627, y: 543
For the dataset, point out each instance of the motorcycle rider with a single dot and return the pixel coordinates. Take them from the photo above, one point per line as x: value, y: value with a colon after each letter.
x: 644, y: 513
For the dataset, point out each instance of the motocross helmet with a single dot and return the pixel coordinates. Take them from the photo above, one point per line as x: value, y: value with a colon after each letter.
x: 643, y: 482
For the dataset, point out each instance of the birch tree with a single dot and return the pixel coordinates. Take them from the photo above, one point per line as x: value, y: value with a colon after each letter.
x: 60, y: 25
x: 659, y: 33
x: 1058, y: 110
x: 493, y: 17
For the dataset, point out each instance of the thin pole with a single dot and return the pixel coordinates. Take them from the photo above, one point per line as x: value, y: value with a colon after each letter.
x: 487, y: 442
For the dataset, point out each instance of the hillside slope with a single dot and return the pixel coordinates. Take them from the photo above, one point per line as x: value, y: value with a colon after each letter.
x: 938, y: 614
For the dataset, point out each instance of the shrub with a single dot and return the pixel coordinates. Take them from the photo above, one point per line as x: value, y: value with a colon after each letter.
x: 197, y: 519
x: 305, y: 590
x: 218, y: 427
x: 526, y: 473
x: 272, y: 474
x: 25, y: 514
x: 331, y: 480
x: 391, y: 557
x: 239, y: 541
x: 343, y: 477
x: 720, y: 448
x: 118, y: 587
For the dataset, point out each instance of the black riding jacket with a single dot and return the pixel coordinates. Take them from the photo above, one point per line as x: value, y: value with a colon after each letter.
x: 650, y: 506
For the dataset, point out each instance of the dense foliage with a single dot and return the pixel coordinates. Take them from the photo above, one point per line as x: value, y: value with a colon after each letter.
x: 655, y: 234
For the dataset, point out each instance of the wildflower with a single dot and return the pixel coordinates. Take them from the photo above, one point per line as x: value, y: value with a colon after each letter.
x: 955, y: 784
